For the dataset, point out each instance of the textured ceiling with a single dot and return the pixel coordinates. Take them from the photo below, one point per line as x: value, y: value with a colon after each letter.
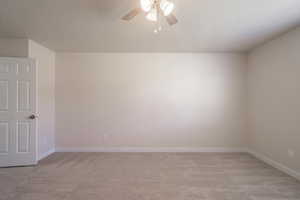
x: 95, y: 25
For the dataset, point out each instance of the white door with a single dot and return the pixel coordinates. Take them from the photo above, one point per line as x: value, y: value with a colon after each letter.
x: 18, y: 140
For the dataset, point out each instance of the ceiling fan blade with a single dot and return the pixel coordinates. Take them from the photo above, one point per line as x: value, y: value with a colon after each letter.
x: 132, y: 14
x: 171, y: 19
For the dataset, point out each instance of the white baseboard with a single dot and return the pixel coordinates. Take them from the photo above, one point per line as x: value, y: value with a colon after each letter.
x: 44, y: 155
x: 275, y: 164
x: 145, y: 149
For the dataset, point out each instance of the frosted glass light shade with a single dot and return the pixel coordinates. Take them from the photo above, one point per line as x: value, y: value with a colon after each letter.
x: 152, y: 15
x: 146, y: 5
x: 166, y: 6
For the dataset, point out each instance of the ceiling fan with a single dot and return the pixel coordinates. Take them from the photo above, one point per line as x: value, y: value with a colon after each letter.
x: 154, y: 10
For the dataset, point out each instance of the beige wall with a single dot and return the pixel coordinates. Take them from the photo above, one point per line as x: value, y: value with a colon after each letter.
x: 45, y: 59
x: 150, y: 100
x: 14, y: 47
x: 274, y: 100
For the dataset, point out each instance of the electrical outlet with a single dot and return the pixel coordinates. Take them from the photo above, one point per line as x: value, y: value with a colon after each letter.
x: 291, y: 153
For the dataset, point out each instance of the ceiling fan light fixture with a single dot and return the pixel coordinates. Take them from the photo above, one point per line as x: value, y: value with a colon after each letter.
x: 167, y: 7
x: 146, y: 5
x: 155, y: 11
x: 152, y: 15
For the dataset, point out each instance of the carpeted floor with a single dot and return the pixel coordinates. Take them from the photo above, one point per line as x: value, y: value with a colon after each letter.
x: 148, y: 176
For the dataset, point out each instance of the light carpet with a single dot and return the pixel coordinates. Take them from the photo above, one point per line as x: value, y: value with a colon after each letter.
x: 148, y: 176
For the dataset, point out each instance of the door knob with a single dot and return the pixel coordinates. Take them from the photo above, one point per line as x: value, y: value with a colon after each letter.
x: 32, y: 117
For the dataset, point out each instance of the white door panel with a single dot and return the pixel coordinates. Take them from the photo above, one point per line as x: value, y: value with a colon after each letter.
x: 18, y: 140
x: 4, y: 128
